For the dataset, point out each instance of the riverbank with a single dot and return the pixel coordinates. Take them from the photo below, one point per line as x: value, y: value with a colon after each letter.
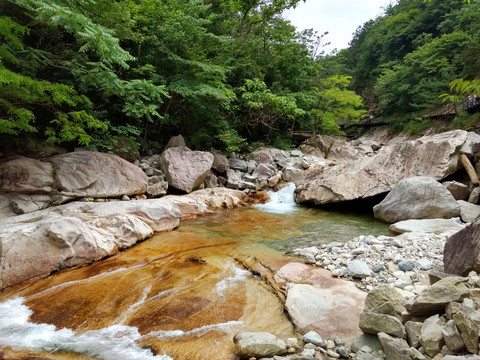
x: 402, y: 261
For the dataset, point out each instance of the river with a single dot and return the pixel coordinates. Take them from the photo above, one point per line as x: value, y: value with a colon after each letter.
x: 180, y: 295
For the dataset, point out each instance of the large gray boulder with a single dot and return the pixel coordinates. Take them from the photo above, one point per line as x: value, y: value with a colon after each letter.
x: 258, y: 344
x: 36, y: 244
x: 94, y: 174
x: 32, y: 184
x: 436, y: 156
x: 185, y: 169
x: 419, y: 197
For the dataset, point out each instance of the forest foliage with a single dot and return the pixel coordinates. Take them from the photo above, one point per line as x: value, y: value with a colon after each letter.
x: 117, y: 74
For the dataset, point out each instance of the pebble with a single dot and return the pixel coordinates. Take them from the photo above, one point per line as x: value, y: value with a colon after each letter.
x: 368, y: 261
x: 406, y: 265
x: 333, y: 354
x: 342, y: 351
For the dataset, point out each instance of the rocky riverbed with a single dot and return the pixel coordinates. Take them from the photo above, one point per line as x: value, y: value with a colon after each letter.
x: 324, y: 169
x: 412, y: 311
x: 403, y: 261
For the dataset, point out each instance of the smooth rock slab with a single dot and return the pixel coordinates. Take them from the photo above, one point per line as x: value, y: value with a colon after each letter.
x: 332, y: 307
x: 432, y: 226
x: 35, y: 244
x: 258, y: 344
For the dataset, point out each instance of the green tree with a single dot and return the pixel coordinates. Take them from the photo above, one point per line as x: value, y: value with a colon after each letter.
x: 336, y: 105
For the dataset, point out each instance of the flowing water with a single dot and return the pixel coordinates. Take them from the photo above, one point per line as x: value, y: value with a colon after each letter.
x: 179, y: 295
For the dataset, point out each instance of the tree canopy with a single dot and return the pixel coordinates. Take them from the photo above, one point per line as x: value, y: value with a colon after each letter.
x: 105, y: 73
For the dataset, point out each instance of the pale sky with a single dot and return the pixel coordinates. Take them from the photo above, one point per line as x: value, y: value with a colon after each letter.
x: 339, y: 17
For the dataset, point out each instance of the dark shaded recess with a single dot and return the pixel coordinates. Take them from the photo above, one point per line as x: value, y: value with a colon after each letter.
x: 357, y: 206
x: 459, y: 176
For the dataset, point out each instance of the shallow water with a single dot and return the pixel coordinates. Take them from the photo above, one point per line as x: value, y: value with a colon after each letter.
x: 182, y: 294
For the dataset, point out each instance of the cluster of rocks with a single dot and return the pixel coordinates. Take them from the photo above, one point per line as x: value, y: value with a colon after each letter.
x: 266, y: 346
x: 325, y: 169
x: 424, y: 223
x: 368, y: 260
x: 183, y: 169
x: 441, y: 321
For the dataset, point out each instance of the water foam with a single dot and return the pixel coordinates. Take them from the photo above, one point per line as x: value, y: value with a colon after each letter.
x: 135, y: 306
x: 111, y: 343
x: 172, y: 334
x: 239, y: 275
x: 281, y: 201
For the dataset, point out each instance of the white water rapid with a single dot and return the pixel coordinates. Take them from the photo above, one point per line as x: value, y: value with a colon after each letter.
x: 111, y: 343
x: 281, y: 201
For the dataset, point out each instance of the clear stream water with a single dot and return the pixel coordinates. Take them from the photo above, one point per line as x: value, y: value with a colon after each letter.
x: 179, y: 295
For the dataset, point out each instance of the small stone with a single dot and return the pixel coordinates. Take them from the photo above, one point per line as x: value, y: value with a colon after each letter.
x: 406, y: 265
x: 330, y: 344
x: 314, y: 338
x: 308, y: 352
x: 292, y: 343
x: 342, y: 351
x: 125, y: 198
x: 359, y: 251
x: 397, y: 258
x: 358, y: 269
x: 378, y: 268
x: 338, y: 340
x: 403, y: 282
x: 339, y: 272
x: 333, y: 354
x: 425, y: 264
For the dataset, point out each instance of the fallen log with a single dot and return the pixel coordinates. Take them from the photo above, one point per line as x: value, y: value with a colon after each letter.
x: 472, y: 174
